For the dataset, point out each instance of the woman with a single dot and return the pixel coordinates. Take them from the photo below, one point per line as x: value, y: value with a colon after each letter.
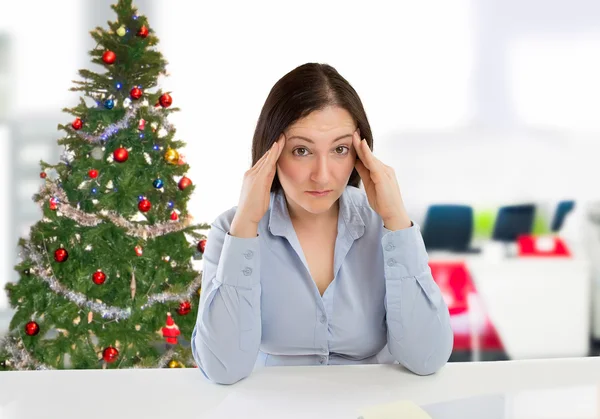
x: 308, y: 269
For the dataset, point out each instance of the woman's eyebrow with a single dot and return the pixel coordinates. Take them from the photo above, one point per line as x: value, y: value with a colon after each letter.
x: 299, y: 137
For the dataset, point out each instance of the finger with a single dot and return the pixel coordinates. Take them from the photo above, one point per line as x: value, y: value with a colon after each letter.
x: 364, y: 173
x: 281, y: 145
x: 269, y: 163
x: 264, y: 158
x: 360, y: 153
x: 369, y: 159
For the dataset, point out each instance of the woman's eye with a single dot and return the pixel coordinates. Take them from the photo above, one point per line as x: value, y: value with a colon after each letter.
x: 300, y: 148
x: 301, y: 151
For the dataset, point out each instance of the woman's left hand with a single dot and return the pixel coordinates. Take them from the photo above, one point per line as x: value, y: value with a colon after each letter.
x: 381, y: 186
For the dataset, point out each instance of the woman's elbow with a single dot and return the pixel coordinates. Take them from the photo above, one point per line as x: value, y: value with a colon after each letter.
x: 427, y: 362
x: 439, y: 357
x: 224, y: 377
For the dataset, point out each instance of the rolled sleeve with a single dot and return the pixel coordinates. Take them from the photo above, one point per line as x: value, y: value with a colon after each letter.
x: 419, y: 332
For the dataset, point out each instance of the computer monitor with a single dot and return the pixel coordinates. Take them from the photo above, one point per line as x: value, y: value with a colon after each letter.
x: 513, y: 221
x: 448, y: 227
x: 563, y: 208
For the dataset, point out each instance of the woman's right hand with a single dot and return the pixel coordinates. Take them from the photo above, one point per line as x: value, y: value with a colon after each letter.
x: 255, y: 196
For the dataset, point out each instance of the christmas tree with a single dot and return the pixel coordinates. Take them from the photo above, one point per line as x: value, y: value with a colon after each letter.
x: 106, y: 278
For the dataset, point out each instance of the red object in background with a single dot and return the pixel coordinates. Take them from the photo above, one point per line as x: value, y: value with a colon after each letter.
x: 202, y: 245
x: 527, y: 247
x: 136, y: 93
x: 77, y: 124
x: 61, y: 255
x: 32, y: 328
x: 455, y: 283
x: 184, y: 308
x: 121, y: 154
x: 144, y: 205
x: 165, y: 100
x: 143, y: 32
x: 110, y: 354
x: 109, y: 57
x: 99, y: 277
x: 171, y: 331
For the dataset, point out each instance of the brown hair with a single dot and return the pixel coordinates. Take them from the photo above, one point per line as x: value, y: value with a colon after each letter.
x: 307, y: 88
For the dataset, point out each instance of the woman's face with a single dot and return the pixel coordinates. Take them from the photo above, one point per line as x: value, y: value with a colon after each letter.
x: 318, y: 156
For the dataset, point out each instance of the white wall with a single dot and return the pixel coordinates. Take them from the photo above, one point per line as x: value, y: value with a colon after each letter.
x: 45, y: 54
x: 454, y: 90
x: 224, y: 59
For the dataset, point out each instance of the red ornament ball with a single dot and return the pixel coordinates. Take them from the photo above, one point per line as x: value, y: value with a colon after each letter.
x: 53, y: 204
x: 43, y: 175
x: 184, y: 183
x: 144, y: 205
x: 174, y: 216
x: 61, y: 255
x: 184, y: 308
x: 77, y: 124
x: 32, y: 328
x: 93, y: 173
x: 110, y: 354
x: 143, y: 32
x: 139, y: 251
x: 165, y: 100
x: 99, y: 277
x: 121, y: 155
x: 109, y: 57
x: 202, y: 245
x: 136, y: 93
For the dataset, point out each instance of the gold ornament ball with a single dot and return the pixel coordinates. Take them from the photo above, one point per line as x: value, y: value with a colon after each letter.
x: 121, y: 31
x: 172, y: 156
x: 173, y: 364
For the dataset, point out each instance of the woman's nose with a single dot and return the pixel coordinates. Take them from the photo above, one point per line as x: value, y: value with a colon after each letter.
x: 320, y: 173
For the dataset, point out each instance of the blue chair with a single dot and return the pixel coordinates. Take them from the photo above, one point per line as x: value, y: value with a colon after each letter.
x: 448, y: 227
x: 513, y: 221
x: 563, y: 208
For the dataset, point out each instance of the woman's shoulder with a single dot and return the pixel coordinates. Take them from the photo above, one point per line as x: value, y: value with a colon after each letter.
x: 224, y: 220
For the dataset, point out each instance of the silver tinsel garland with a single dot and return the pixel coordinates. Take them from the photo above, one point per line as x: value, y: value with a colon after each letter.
x: 111, y: 129
x: 20, y: 359
x: 106, y: 311
x: 90, y: 220
x: 124, y: 123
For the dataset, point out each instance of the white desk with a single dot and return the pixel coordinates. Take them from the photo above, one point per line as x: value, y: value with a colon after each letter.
x: 284, y: 392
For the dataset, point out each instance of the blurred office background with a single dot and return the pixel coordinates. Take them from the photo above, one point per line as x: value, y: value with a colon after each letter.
x: 487, y: 110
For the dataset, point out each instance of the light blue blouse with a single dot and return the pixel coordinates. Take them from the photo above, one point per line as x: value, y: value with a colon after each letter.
x: 259, y: 305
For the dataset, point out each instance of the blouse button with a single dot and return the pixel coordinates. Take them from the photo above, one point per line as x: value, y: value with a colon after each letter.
x: 391, y: 262
x: 247, y: 271
x: 249, y: 254
x: 323, y: 319
x: 390, y: 247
